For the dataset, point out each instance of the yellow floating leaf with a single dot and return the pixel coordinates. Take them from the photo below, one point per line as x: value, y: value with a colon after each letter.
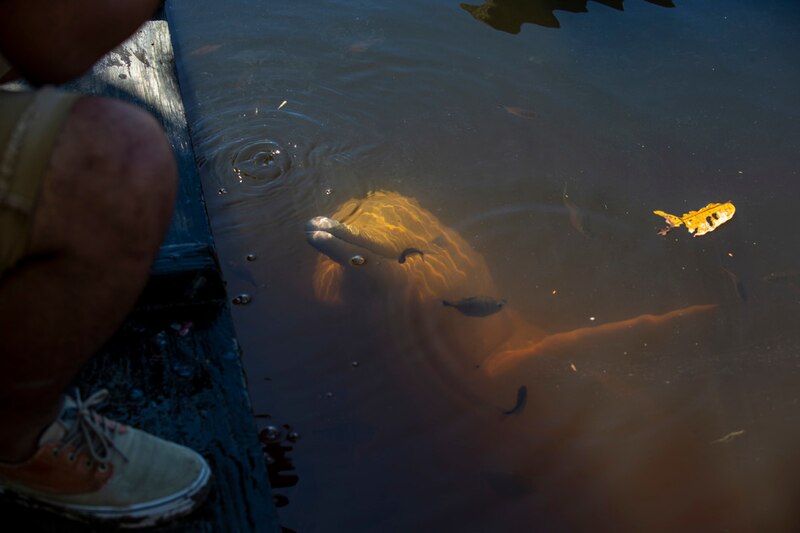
x: 708, y: 218
x: 703, y: 220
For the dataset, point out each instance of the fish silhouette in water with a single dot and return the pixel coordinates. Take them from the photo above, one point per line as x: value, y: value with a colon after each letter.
x: 575, y: 217
x: 519, y: 111
x: 477, y: 305
x: 522, y: 399
x: 737, y: 284
x: 409, y: 251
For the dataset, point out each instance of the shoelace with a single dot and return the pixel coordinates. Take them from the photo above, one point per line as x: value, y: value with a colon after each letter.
x: 92, y: 430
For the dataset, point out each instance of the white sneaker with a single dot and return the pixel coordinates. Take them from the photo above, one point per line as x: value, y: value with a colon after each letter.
x: 93, y: 469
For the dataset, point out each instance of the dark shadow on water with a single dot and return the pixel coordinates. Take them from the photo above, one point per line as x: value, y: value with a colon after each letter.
x: 510, y: 15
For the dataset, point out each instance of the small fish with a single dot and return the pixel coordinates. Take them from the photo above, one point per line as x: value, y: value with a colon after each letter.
x: 519, y: 111
x: 522, y: 399
x: 359, y: 47
x: 203, y: 50
x: 477, y: 305
x: 409, y: 251
x: 737, y: 283
x: 575, y: 217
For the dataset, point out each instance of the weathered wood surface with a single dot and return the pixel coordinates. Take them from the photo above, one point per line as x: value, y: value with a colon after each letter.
x: 174, y: 369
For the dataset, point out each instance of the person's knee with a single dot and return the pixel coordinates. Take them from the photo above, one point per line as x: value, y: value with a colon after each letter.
x: 111, y: 183
x: 147, y: 178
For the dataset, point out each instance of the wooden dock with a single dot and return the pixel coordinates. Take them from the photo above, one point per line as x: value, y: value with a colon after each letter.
x: 174, y: 368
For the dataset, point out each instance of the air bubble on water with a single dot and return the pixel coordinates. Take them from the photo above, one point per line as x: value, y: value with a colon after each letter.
x: 328, y: 192
x: 270, y: 434
x: 354, y: 363
x: 242, y: 299
x: 293, y: 436
x: 222, y: 190
x: 250, y: 257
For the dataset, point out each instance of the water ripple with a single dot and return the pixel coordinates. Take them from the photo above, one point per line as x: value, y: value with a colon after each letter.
x: 260, y: 163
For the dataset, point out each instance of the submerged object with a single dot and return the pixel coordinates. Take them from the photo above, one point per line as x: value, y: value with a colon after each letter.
x: 699, y: 222
x: 522, y: 399
x: 477, y: 305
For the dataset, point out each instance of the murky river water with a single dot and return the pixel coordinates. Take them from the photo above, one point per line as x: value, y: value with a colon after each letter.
x: 536, y: 159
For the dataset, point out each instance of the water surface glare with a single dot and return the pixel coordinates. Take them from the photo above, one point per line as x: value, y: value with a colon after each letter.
x: 384, y: 159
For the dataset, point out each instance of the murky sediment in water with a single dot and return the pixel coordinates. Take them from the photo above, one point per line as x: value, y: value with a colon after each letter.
x: 631, y: 380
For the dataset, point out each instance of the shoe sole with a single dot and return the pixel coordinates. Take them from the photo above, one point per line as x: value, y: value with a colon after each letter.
x: 134, y: 516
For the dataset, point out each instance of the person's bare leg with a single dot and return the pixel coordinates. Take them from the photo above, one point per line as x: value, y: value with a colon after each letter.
x: 105, y: 204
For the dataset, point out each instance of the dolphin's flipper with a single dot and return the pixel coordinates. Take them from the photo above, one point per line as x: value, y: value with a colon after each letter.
x: 512, y: 353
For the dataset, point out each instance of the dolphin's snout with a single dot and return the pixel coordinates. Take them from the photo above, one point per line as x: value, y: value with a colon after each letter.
x: 321, y: 224
x: 325, y: 234
x: 318, y: 237
x: 317, y: 233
